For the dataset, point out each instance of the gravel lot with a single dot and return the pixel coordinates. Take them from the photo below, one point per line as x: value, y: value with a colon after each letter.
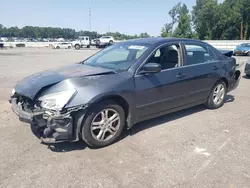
x: 192, y: 148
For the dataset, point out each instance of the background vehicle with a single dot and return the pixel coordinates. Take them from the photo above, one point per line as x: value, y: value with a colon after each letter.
x: 242, y: 49
x: 1, y: 44
x: 247, y: 68
x: 62, y: 45
x: 83, y: 41
x: 104, y: 41
x: 96, y: 99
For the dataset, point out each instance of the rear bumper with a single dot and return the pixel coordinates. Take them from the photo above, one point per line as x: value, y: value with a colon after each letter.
x: 233, y: 83
x: 247, y: 69
x: 46, y: 126
x: 239, y: 52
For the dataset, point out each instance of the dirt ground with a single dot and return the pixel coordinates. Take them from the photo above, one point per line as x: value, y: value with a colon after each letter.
x: 192, y: 148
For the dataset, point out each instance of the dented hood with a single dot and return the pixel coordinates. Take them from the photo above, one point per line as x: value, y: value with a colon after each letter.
x: 30, y: 85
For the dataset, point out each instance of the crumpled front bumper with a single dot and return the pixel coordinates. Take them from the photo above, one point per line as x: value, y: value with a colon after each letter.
x: 17, y: 109
x: 45, y: 125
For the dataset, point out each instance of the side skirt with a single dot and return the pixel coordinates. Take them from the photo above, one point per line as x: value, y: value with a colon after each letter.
x: 158, y: 114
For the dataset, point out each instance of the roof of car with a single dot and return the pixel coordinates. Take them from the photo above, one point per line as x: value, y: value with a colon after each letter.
x: 158, y: 40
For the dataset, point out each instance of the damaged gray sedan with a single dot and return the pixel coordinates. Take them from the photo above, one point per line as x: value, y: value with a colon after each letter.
x: 128, y: 82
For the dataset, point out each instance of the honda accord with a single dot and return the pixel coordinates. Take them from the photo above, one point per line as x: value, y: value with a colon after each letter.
x: 128, y: 82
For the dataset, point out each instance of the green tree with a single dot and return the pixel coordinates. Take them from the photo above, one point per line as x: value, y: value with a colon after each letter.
x: 166, y: 30
x: 174, y: 14
x: 179, y: 14
x: 183, y: 29
x: 228, y: 20
x: 205, y: 18
x: 144, y: 35
x: 1, y: 30
x: 244, y: 9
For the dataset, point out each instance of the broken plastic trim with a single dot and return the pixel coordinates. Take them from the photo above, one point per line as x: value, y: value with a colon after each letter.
x: 59, y: 126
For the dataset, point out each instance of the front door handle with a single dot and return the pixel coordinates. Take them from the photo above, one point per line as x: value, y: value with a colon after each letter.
x: 180, y: 75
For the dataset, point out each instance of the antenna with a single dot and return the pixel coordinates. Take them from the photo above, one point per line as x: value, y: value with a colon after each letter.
x: 89, y: 16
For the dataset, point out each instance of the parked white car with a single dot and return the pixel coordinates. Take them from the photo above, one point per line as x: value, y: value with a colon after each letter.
x: 104, y: 41
x: 62, y: 45
x: 83, y: 41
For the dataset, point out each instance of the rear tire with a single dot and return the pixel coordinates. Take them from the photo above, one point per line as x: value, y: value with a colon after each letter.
x: 248, y: 53
x: 57, y: 47
x: 77, y: 47
x: 217, y: 96
x: 99, y: 122
x: 111, y: 42
x: 88, y: 46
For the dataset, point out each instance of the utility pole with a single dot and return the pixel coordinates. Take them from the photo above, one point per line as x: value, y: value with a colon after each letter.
x: 109, y: 27
x: 241, y: 31
x: 90, y: 17
x: 242, y: 24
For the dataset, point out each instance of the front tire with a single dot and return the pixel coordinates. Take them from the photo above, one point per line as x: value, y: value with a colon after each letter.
x: 217, y: 96
x: 103, y: 124
x: 248, y: 53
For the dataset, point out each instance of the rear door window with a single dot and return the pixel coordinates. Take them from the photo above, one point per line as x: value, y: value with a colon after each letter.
x: 197, y: 54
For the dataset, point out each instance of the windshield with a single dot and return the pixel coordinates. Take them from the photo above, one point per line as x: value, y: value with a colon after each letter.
x: 118, y: 57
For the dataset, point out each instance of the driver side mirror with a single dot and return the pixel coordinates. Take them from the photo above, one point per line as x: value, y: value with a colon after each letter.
x: 151, y: 68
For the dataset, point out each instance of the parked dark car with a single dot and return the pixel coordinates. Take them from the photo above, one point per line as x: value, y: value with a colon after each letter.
x: 128, y: 82
x: 242, y: 49
x: 247, y: 68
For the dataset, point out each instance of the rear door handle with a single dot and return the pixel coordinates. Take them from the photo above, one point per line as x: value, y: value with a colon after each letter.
x: 180, y: 75
x: 216, y: 67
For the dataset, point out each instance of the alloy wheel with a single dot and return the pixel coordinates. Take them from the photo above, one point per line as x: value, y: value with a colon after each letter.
x: 219, y: 94
x: 105, y: 124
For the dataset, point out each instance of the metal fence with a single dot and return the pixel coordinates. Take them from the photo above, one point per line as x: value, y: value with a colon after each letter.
x: 220, y: 44
x: 226, y: 44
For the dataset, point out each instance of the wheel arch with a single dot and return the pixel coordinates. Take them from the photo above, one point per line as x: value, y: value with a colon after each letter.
x: 224, y: 79
x: 81, y: 116
x: 116, y: 98
x: 208, y: 103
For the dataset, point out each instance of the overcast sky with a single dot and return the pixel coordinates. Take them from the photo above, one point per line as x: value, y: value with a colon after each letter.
x: 125, y: 16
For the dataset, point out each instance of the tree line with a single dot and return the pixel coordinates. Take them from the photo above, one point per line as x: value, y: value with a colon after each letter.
x: 55, y: 32
x: 210, y: 20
